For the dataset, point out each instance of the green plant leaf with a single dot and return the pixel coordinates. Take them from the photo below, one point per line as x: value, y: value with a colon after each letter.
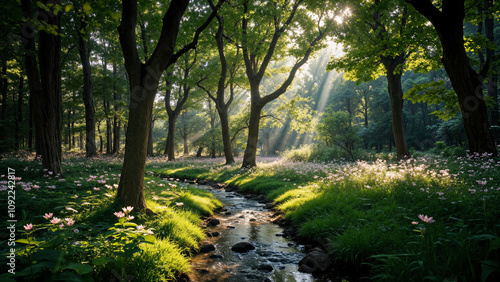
x: 488, y: 267
x: 80, y: 268
x: 102, y: 260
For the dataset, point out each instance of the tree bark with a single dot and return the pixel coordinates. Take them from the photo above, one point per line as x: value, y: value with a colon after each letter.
x: 492, y: 85
x: 19, y: 117
x: 45, y: 87
x: 150, y: 150
x: 396, y: 96
x: 88, y: 97
x: 466, y: 82
x: 3, y: 89
x: 116, y: 120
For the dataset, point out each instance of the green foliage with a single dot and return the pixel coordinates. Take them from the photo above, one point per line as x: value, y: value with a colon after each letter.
x: 335, y: 129
x: 435, y: 93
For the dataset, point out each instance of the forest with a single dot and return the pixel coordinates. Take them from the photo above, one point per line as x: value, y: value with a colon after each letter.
x: 368, y: 129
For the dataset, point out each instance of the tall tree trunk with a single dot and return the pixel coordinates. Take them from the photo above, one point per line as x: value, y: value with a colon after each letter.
x: 3, y: 89
x: 45, y: 87
x: 88, y: 97
x: 116, y: 120
x: 396, y: 95
x: 144, y: 78
x: 466, y: 82
x: 250, y: 156
x: 492, y: 85
x: 19, y: 119
x: 170, y: 146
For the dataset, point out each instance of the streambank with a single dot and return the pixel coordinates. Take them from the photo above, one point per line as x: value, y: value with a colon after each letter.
x: 275, y: 252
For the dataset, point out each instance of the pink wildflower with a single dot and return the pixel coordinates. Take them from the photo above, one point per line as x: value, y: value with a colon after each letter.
x: 127, y: 209
x: 426, y: 219
x: 119, y: 214
x: 55, y: 220
x: 48, y: 215
x: 28, y: 227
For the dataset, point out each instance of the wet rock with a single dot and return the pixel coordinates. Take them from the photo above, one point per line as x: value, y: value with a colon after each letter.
x: 265, y: 267
x: 252, y: 219
x: 269, y: 205
x: 215, y: 234
x: 315, y: 260
x: 206, y: 247
x: 230, y: 227
x: 243, y: 247
x: 216, y: 256
x: 213, y: 222
x: 227, y: 213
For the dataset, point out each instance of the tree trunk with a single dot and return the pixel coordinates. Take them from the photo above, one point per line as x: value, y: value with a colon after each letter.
x: 150, y: 138
x: 19, y: 119
x: 199, y: 151
x: 466, y: 82
x: 144, y: 78
x: 88, y: 97
x: 45, y: 87
x: 396, y: 95
x: 3, y: 115
x: 116, y: 121
x: 170, y: 146
x: 185, y: 145
x: 492, y: 85
x: 250, y: 156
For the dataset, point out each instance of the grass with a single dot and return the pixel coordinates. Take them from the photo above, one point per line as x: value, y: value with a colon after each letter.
x: 91, y: 248
x: 369, y: 211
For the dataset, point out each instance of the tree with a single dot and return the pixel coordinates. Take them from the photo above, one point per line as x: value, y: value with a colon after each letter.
x: 45, y: 85
x: 144, y: 78
x: 219, y: 98
x: 88, y: 98
x: 335, y: 129
x: 267, y: 27
x: 447, y: 17
x: 385, y: 37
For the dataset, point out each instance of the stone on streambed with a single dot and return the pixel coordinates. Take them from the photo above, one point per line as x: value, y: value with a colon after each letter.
x: 206, y: 247
x: 315, y: 260
x: 265, y: 267
x: 243, y: 247
x: 213, y: 222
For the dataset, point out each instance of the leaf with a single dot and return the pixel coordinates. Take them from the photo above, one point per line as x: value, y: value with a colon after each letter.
x: 80, y: 268
x: 495, y: 244
x: 29, y: 242
x: 68, y: 7
x: 87, y: 8
x: 488, y: 267
x: 116, y: 16
x: 149, y: 238
x: 102, y: 261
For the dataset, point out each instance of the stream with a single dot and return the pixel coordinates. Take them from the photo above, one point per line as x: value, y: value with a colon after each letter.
x: 275, y: 258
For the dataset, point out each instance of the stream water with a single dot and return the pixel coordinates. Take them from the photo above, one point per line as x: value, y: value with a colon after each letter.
x: 275, y: 258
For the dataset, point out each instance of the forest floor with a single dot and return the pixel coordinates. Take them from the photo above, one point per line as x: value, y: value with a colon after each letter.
x: 424, y: 218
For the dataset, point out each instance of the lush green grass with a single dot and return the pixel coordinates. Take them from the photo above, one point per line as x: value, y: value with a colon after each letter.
x: 98, y: 244
x: 369, y: 211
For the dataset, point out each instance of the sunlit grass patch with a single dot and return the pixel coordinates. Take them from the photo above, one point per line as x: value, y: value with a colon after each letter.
x: 161, y: 261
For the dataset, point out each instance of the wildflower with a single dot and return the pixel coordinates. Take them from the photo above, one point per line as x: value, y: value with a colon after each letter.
x: 69, y: 221
x: 119, y: 214
x: 61, y: 225
x: 140, y: 227
x: 97, y: 188
x: 179, y: 204
x: 426, y: 219
x: 28, y: 227
x: 414, y: 222
x: 55, y: 220
x: 76, y: 230
x: 130, y: 217
x: 48, y: 215
x: 127, y: 209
